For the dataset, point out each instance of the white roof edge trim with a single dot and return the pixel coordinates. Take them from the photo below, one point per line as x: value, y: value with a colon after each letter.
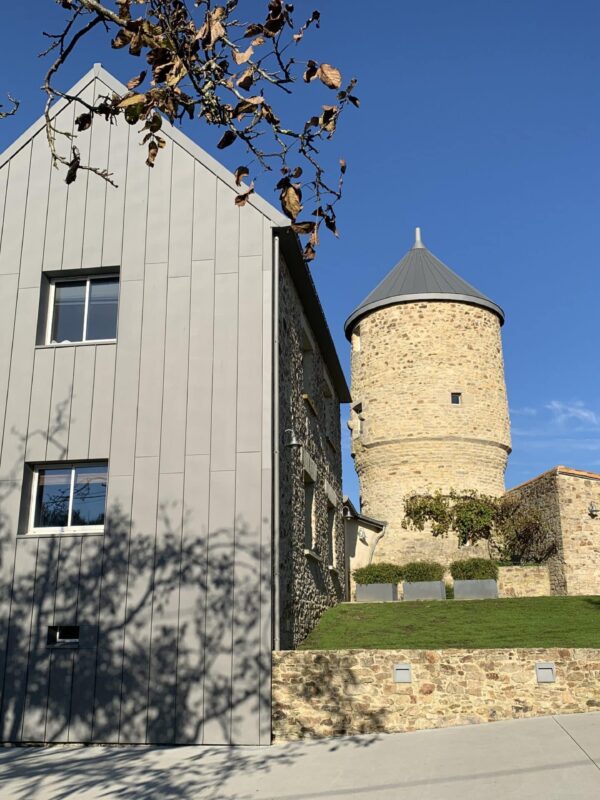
x: 415, y: 298
x: 97, y: 71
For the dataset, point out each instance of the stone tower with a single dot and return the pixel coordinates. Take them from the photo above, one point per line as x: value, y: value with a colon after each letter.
x: 429, y: 407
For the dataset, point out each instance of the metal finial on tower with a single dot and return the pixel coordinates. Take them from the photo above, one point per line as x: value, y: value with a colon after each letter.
x: 418, y: 243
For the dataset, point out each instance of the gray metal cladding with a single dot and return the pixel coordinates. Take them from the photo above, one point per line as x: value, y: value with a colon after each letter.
x: 173, y: 600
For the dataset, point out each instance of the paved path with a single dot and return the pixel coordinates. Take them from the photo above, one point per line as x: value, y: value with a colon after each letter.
x: 554, y: 758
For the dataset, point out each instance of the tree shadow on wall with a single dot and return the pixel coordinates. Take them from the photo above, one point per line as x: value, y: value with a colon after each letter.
x: 169, y: 636
x: 174, y: 647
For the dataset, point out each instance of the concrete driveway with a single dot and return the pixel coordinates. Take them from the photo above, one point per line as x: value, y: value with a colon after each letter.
x: 554, y: 758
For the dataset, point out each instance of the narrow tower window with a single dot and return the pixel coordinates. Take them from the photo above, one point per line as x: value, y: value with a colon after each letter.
x: 456, y: 398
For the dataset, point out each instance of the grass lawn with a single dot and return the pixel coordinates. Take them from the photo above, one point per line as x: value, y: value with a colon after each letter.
x: 519, y: 622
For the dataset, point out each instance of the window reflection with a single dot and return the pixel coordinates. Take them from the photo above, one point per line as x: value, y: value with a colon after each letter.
x: 52, y: 503
x: 73, y: 496
x: 89, y: 496
x: 69, y: 312
x: 102, y: 310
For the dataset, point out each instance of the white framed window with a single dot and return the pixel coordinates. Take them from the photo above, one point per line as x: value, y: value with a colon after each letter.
x: 68, y: 498
x: 83, y: 310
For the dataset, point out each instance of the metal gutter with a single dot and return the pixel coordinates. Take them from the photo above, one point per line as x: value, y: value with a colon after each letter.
x: 276, y: 616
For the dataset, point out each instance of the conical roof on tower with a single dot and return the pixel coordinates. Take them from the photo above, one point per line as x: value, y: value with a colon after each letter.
x: 420, y: 276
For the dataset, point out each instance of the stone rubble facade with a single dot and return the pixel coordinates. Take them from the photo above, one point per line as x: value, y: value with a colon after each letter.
x: 532, y: 581
x: 310, y: 408
x: 565, y: 497
x: 346, y: 692
x: 407, y: 435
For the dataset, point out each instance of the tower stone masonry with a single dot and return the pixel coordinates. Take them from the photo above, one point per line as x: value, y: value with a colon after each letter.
x: 429, y: 406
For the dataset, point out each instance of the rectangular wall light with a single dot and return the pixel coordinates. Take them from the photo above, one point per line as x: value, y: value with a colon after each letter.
x: 545, y: 672
x: 402, y: 673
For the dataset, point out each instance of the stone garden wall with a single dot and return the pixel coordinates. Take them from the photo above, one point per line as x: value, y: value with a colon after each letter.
x: 563, y: 496
x: 524, y: 581
x: 334, y: 693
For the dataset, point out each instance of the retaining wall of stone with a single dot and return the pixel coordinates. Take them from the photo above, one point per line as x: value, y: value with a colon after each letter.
x: 334, y: 693
x: 524, y: 581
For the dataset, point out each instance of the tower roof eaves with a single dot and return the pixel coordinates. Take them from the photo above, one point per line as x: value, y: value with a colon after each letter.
x: 417, y: 298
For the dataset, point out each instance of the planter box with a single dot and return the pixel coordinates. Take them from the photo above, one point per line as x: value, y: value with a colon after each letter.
x: 376, y: 592
x: 424, y: 590
x: 475, y: 590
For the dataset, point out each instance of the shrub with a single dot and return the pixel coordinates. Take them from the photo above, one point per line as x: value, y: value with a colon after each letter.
x: 474, y: 569
x: 416, y: 571
x: 378, y: 573
x: 449, y: 592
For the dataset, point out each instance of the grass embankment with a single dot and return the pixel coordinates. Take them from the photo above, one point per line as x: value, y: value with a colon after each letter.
x: 520, y: 622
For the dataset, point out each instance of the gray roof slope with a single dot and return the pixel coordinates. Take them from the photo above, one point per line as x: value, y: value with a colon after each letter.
x: 420, y: 276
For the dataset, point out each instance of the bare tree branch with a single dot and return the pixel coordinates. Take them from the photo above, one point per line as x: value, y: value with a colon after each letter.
x: 206, y: 64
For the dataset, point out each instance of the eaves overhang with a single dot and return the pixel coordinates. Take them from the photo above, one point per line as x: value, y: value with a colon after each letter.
x: 444, y: 297
x: 313, y: 310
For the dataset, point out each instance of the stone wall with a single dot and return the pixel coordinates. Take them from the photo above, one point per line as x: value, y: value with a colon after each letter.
x: 563, y: 497
x: 333, y: 693
x: 580, y: 531
x: 309, y: 407
x: 524, y: 581
x: 541, y: 494
x: 407, y: 436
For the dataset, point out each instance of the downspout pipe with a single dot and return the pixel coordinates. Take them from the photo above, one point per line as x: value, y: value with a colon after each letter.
x: 276, y: 616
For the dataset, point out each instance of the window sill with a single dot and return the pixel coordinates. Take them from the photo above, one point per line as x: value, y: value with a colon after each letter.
x: 36, y: 533
x: 91, y: 343
x: 310, y: 403
x: 312, y: 554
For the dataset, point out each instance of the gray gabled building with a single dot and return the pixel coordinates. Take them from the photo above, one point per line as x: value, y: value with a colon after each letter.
x: 170, y: 461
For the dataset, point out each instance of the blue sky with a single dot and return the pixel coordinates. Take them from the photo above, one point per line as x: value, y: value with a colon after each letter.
x: 480, y: 122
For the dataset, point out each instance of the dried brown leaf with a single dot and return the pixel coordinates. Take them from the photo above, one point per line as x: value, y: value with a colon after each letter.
x: 311, y: 71
x: 330, y: 76
x: 328, y: 118
x: 246, y: 79
x: 132, y: 100
x: 242, y: 199
x: 228, y: 138
x: 247, y: 106
x: 253, y: 30
x: 135, y: 82
x: 122, y: 39
x: 240, y: 174
x: 241, y: 58
x: 152, y: 153
x: 291, y: 200
x: 309, y: 252
x: 73, y: 166
x: 83, y: 121
x: 303, y: 227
